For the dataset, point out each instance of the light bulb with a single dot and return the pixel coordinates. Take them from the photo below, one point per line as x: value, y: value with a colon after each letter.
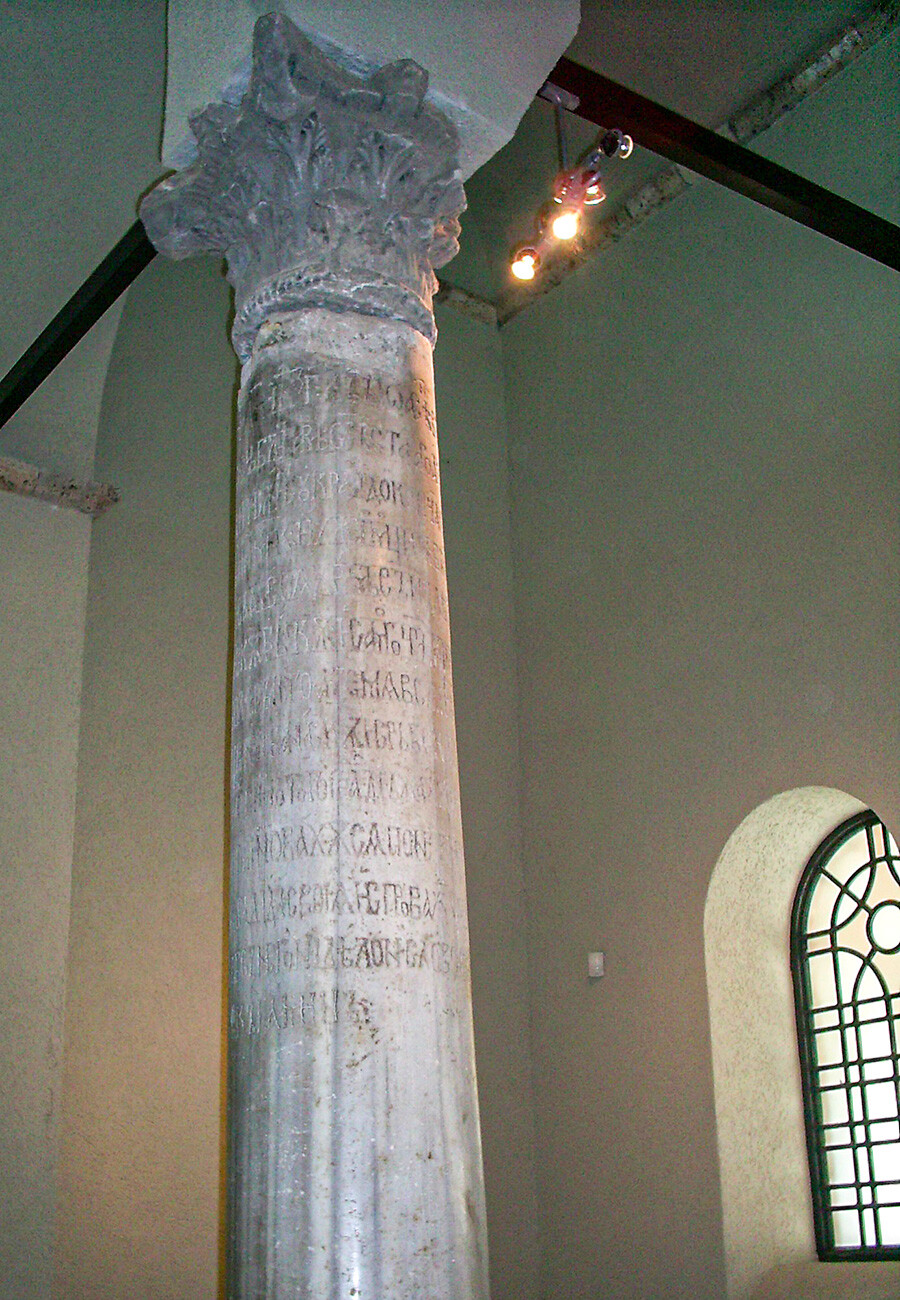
x: 565, y: 226
x: 626, y: 146
x: 524, y: 264
x: 594, y: 194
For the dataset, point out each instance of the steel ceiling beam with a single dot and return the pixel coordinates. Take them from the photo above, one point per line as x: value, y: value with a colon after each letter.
x: 606, y: 103
x: 119, y: 268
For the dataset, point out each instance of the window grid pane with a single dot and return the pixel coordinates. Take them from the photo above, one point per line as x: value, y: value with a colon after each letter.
x: 845, y: 951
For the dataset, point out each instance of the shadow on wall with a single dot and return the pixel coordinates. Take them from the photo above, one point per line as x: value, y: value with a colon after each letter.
x: 767, y: 1212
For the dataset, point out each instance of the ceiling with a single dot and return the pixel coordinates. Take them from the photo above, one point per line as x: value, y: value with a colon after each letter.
x: 81, y: 95
x: 705, y: 60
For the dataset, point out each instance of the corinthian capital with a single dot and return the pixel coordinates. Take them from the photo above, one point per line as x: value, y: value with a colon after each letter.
x: 321, y: 189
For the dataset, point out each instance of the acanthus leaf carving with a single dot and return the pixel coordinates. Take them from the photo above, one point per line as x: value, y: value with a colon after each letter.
x: 321, y: 189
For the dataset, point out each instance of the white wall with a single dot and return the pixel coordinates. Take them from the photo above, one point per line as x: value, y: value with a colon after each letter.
x: 43, y: 584
x: 140, y: 1185
x: 81, y: 96
x: 704, y: 469
x: 472, y: 432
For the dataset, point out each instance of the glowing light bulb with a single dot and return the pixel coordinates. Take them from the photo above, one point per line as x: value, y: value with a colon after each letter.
x: 565, y: 226
x: 626, y: 146
x: 524, y: 264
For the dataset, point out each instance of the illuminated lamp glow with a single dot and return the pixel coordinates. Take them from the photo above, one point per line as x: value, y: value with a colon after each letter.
x: 565, y: 225
x: 524, y: 264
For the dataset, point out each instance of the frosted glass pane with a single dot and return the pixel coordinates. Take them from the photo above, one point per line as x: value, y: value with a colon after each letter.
x: 886, y: 1162
x: 875, y: 1040
x: 869, y: 986
x: 883, y: 1069
x: 848, y: 969
x: 885, y: 926
x: 821, y: 978
x: 846, y: 1228
x: 841, y: 1168
x: 851, y: 1045
x: 834, y: 1107
x: 881, y: 1100
x: 828, y: 1048
x: 889, y: 1221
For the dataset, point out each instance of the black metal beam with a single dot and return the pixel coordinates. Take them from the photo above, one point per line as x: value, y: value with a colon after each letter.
x: 606, y: 103
x: 100, y: 290
x: 602, y: 102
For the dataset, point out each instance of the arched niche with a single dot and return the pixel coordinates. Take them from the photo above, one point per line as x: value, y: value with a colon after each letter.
x: 767, y: 1217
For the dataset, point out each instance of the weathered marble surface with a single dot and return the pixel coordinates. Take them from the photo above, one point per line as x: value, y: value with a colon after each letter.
x: 320, y: 188
x: 353, y: 1120
x: 354, y: 1150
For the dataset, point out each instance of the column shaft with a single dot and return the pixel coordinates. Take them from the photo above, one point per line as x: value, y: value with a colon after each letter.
x: 354, y: 1154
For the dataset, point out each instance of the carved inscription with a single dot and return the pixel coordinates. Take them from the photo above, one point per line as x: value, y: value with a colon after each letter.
x: 292, y: 637
x: 282, y: 901
x: 360, y: 840
x: 324, y: 387
x: 282, y: 490
x: 302, y: 1009
x: 321, y: 785
x: 342, y: 667
x: 367, y: 952
x: 389, y: 540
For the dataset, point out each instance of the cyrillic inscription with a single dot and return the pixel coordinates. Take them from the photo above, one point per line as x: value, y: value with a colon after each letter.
x: 298, y: 1010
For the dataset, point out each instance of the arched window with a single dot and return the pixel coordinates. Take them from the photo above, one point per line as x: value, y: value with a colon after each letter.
x: 845, y: 960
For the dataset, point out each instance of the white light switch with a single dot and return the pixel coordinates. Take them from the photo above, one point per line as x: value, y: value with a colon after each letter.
x: 595, y: 965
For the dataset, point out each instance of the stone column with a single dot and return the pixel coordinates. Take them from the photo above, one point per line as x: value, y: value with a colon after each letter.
x: 354, y: 1153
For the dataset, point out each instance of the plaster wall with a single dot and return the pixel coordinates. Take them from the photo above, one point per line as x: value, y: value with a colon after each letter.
x: 81, y: 92
x: 43, y: 584
x: 472, y: 434
x: 142, y: 1166
x: 140, y: 1176
x: 704, y: 466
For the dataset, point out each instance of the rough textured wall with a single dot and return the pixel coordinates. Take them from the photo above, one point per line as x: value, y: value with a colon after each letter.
x: 43, y: 584
x: 139, y: 1197
x: 703, y: 436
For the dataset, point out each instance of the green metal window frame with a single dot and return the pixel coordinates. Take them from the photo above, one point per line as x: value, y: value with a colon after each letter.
x: 852, y: 1116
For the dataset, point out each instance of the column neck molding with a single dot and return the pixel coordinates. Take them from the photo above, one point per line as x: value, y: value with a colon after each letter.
x: 321, y: 189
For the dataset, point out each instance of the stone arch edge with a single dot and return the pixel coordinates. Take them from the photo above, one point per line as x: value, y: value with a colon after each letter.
x: 766, y: 1210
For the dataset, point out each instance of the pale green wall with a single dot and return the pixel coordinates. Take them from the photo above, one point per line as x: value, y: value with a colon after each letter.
x: 705, y: 458
x: 472, y: 432
x: 81, y: 97
x: 702, y: 601
x: 43, y: 582
x: 139, y: 1199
